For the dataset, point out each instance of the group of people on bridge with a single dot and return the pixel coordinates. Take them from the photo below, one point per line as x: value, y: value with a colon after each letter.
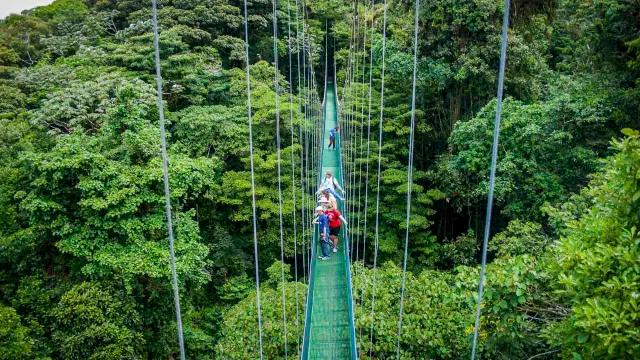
x: 327, y: 216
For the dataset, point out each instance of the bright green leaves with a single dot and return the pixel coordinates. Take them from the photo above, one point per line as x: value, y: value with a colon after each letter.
x: 240, y: 327
x: 116, y: 219
x: 15, y: 342
x: 435, y: 314
x: 95, y: 322
x: 519, y: 238
x: 597, y: 262
x: 534, y: 151
x: 212, y: 131
x: 62, y: 10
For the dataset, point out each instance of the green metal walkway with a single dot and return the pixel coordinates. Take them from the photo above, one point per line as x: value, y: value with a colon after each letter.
x: 329, y: 327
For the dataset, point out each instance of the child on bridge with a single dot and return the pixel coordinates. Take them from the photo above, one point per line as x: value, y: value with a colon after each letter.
x: 323, y: 226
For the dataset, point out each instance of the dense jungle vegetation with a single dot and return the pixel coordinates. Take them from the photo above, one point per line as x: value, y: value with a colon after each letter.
x: 84, y: 268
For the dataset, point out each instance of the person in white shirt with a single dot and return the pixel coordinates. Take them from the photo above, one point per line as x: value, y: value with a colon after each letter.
x: 330, y: 184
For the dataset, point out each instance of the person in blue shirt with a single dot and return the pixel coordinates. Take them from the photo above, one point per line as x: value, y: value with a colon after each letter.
x: 332, y: 137
x: 323, y: 226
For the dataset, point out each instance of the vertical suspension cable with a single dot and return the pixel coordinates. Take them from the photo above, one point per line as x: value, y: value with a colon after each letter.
x: 492, y: 175
x: 377, y: 216
x: 409, y: 173
x: 310, y: 112
x: 360, y: 210
x: 316, y: 115
x: 366, y: 176
x: 301, y: 140
x: 354, y: 127
x: 348, y: 115
x: 253, y: 181
x: 361, y: 146
x: 357, y: 173
x: 305, y: 137
x: 293, y: 174
x: 311, y: 106
x: 326, y: 64
x: 351, y: 127
x: 305, y: 85
x: 165, y: 178
x: 276, y: 84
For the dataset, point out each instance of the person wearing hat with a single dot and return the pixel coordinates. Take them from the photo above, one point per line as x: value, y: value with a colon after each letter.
x: 327, y: 200
x: 323, y: 229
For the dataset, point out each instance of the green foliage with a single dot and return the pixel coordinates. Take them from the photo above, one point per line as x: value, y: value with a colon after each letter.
x: 61, y: 10
x: 95, y: 322
x: 436, y: 317
x: 596, y: 262
x: 15, y: 342
x: 536, y: 146
x: 439, y: 308
x: 214, y: 130
x: 519, y: 238
x: 461, y: 251
x: 240, y: 328
x: 116, y: 221
x: 84, y: 271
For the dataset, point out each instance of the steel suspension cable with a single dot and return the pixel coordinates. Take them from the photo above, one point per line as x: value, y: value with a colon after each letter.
x: 311, y: 153
x: 351, y: 124
x: 358, y: 146
x: 253, y: 181
x: 305, y: 85
x: 301, y: 141
x: 276, y: 85
x: 492, y: 174
x: 358, y: 127
x: 354, y: 138
x: 293, y: 174
x: 377, y: 216
x: 361, y: 146
x: 409, y: 173
x: 316, y: 112
x: 165, y: 178
x: 326, y: 69
x: 347, y: 81
x: 360, y: 182
x: 366, y: 176
x: 309, y: 103
x: 353, y: 128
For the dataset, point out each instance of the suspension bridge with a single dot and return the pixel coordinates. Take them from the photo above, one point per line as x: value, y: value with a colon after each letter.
x: 329, y: 331
x: 329, y: 319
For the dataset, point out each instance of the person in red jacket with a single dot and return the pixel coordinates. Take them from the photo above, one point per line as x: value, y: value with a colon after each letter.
x: 335, y: 221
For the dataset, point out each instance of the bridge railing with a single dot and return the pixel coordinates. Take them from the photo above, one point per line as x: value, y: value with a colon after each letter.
x: 347, y: 263
x: 314, y: 242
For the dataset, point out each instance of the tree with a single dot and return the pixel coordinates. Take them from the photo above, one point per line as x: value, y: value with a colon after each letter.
x: 520, y: 237
x: 596, y: 261
x: 240, y: 330
x: 15, y: 342
x: 95, y: 322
